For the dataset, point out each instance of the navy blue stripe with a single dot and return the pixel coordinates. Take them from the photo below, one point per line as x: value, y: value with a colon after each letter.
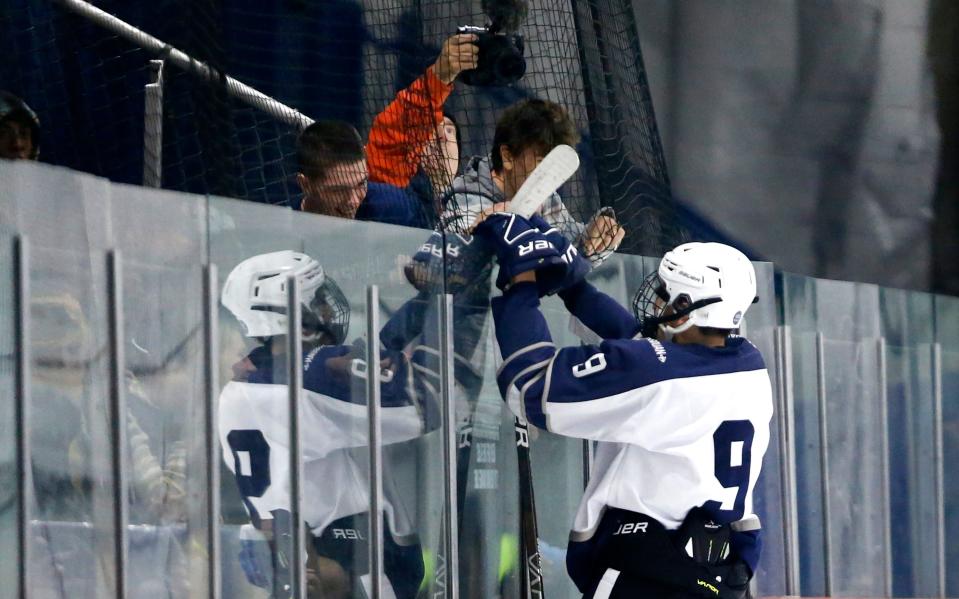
x: 633, y: 364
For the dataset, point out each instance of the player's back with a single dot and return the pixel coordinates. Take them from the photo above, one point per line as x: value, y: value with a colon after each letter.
x: 690, y: 429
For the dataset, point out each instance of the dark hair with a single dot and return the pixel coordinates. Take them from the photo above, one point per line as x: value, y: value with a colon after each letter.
x: 532, y: 123
x: 325, y: 144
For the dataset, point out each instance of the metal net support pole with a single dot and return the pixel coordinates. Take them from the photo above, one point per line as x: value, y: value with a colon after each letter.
x: 237, y: 89
x: 153, y: 126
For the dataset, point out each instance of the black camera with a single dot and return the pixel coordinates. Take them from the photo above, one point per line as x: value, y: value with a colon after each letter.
x: 501, y: 59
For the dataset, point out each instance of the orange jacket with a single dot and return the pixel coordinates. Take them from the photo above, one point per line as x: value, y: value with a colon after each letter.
x: 405, y: 126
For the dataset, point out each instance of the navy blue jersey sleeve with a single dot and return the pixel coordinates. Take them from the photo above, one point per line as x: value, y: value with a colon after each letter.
x: 524, y: 343
x: 601, y: 313
x: 602, y: 392
x: 346, y: 380
x: 406, y: 323
x: 748, y: 545
x: 534, y: 371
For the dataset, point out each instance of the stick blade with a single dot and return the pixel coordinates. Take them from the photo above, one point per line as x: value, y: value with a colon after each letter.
x: 555, y: 169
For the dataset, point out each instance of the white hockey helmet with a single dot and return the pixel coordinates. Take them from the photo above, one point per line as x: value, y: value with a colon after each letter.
x: 255, y: 292
x: 711, y: 282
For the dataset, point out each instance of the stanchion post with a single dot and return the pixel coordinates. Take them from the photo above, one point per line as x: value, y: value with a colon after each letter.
x: 375, y: 440
x: 22, y: 351
x: 212, y: 445
x: 294, y: 354
x: 118, y: 419
x: 448, y: 404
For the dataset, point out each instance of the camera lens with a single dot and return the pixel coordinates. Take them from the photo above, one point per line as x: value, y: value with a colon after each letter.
x: 505, y: 59
x: 501, y: 61
x: 510, y: 67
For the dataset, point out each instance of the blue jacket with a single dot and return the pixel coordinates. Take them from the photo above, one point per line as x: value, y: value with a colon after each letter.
x: 386, y: 203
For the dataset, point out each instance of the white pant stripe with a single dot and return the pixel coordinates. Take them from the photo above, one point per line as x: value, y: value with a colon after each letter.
x: 605, y: 588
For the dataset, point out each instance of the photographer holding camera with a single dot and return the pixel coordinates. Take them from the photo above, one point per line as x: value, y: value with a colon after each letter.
x: 412, y: 143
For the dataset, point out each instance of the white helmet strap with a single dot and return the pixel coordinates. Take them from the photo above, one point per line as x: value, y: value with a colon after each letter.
x: 671, y: 330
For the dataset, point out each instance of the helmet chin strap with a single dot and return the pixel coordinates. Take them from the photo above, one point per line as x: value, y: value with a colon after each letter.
x: 669, y: 331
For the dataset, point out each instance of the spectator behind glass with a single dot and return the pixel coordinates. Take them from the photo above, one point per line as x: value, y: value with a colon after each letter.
x: 412, y: 145
x: 412, y: 131
x: 339, y: 177
x: 19, y: 129
x: 439, y: 165
x: 334, y: 178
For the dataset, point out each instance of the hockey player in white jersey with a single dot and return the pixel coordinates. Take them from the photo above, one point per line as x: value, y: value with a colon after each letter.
x: 680, y: 417
x: 254, y: 431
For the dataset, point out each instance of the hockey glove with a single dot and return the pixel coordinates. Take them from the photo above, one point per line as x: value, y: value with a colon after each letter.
x: 578, y: 267
x: 601, y: 237
x: 520, y: 247
x: 461, y: 263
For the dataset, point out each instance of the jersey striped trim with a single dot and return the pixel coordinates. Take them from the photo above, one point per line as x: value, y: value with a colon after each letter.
x: 522, y: 351
x: 538, y: 419
x: 606, y: 584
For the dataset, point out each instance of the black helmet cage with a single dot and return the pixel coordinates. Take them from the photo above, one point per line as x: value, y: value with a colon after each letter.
x: 652, y: 300
x: 328, y: 312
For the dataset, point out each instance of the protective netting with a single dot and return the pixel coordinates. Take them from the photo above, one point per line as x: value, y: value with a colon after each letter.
x: 336, y: 59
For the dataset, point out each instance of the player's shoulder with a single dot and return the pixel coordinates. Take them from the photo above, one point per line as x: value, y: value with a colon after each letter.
x: 663, y: 360
x: 246, y: 397
x: 317, y: 355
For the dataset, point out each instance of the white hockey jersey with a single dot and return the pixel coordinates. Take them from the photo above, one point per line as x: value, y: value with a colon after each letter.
x: 254, y: 435
x: 678, y: 426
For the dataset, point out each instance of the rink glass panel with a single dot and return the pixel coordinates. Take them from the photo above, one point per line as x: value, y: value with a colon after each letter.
x: 162, y: 274
x: 70, y: 448
x: 71, y: 535
x: 912, y: 469
x: 356, y: 255
x: 238, y: 230
x: 73, y: 220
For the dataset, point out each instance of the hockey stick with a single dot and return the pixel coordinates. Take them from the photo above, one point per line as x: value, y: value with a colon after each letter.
x: 558, y: 166
x: 554, y: 170
x: 530, y: 566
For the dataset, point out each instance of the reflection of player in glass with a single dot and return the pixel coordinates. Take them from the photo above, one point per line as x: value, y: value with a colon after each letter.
x: 681, y: 417
x: 254, y: 431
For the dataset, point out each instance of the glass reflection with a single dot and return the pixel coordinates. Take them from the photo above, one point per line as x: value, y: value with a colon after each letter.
x: 254, y: 431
